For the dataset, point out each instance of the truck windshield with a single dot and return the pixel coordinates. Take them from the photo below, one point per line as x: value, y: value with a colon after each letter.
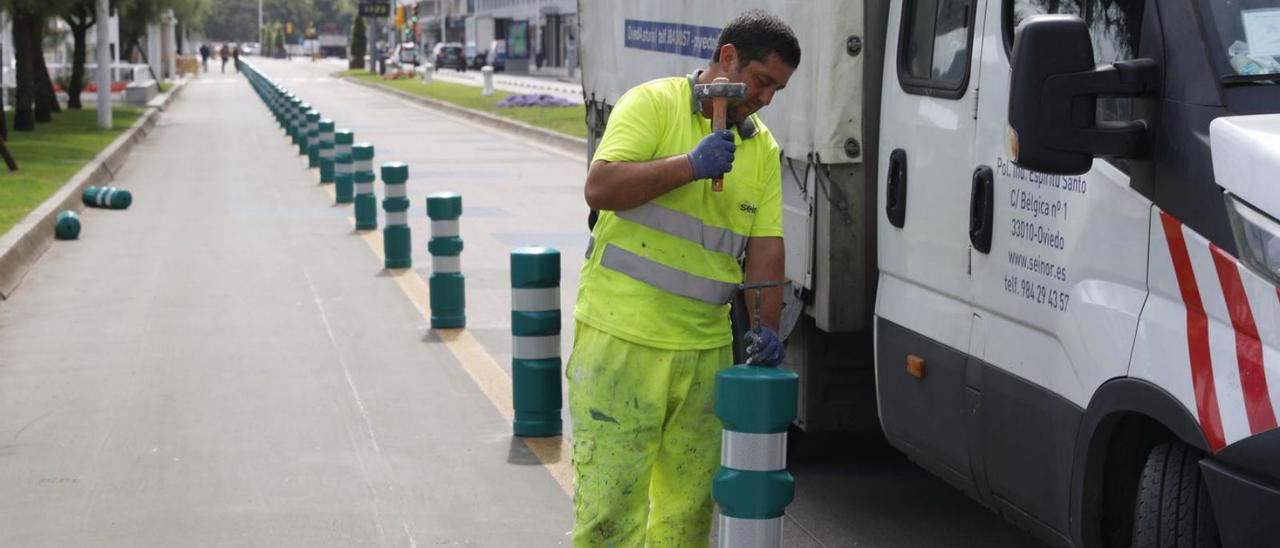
x: 1249, y: 35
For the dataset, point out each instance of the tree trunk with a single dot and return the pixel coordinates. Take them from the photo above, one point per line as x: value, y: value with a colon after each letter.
x: 23, y: 115
x: 76, y: 84
x: 46, y: 99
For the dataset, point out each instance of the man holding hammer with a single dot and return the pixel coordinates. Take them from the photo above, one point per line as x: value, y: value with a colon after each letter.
x: 682, y: 205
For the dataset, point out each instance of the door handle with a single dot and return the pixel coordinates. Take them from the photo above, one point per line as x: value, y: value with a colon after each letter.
x: 982, y: 209
x: 895, y: 203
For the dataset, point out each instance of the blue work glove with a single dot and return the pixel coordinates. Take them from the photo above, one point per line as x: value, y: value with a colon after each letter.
x: 713, y: 157
x: 764, y: 347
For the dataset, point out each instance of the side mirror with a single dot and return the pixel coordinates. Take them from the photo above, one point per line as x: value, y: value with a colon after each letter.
x: 1053, y: 98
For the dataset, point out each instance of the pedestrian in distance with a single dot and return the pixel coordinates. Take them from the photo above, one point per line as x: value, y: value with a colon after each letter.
x: 205, y: 52
x: 235, y: 54
x: 225, y: 54
x: 652, y: 322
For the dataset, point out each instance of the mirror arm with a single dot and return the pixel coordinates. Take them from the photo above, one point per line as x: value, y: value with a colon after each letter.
x: 1078, y: 129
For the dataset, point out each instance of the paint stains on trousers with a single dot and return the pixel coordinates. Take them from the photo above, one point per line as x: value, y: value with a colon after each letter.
x: 646, y: 441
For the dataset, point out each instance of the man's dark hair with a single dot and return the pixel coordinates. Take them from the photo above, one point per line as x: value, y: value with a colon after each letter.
x: 757, y: 34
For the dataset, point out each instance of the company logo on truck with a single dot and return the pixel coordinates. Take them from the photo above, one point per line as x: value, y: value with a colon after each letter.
x: 686, y: 40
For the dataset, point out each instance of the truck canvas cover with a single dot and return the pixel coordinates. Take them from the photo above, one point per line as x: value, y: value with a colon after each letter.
x: 630, y: 42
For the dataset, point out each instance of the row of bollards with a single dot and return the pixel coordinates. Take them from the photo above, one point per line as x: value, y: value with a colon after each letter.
x: 755, y: 404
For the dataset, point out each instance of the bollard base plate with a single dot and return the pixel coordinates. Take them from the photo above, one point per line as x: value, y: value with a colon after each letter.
x: 448, y: 322
x: 537, y: 429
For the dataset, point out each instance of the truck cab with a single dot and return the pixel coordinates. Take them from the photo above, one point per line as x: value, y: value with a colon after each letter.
x: 1034, y: 241
x: 1100, y: 297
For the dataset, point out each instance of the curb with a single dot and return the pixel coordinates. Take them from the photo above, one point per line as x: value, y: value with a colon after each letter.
x: 27, y: 241
x: 567, y: 143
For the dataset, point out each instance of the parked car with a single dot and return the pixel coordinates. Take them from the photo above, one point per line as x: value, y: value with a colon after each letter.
x: 449, y: 54
x: 497, y: 55
x: 250, y: 48
x: 407, y: 54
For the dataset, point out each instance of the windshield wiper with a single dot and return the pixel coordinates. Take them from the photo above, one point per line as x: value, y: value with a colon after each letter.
x: 1240, y: 79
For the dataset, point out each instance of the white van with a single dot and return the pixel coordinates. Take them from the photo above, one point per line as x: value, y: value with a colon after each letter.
x: 1041, y: 252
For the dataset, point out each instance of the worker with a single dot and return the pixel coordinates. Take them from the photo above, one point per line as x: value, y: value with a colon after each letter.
x: 652, y: 314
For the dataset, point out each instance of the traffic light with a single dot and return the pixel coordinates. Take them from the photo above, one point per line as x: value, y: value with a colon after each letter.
x: 399, y: 16
x: 288, y: 27
x: 412, y: 30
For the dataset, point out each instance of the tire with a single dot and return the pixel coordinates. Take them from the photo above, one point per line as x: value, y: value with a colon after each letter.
x: 1173, y: 508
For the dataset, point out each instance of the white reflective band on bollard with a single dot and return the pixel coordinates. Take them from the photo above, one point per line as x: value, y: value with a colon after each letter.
x: 364, y: 188
x: 326, y: 153
x: 446, y: 265
x: 364, y: 165
x: 753, y: 452
x: 444, y: 229
x: 536, y: 348
x: 395, y: 191
x: 750, y: 533
x: 342, y: 168
x: 397, y: 218
x: 342, y: 149
x: 535, y: 300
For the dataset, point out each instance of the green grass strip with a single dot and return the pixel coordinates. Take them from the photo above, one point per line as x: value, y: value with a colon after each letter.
x: 567, y: 120
x: 52, y: 154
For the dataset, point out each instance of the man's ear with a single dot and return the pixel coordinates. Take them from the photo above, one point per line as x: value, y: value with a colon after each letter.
x: 728, y: 58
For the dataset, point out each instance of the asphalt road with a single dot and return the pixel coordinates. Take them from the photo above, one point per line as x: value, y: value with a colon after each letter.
x: 227, y: 363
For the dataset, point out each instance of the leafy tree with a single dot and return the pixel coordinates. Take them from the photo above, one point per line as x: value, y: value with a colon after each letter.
x: 237, y: 20
x: 46, y: 99
x: 24, y: 118
x: 80, y: 16
x: 359, y: 44
x: 280, y: 40
x: 34, y: 97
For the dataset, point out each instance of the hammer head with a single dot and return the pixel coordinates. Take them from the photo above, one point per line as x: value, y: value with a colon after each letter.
x: 720, y: 89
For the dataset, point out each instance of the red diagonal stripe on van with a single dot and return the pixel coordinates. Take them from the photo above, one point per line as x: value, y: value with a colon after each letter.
x: 1253, y: 378
x: 1197, y: 335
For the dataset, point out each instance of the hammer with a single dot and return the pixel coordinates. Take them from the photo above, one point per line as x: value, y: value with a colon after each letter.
x: 719, y: 92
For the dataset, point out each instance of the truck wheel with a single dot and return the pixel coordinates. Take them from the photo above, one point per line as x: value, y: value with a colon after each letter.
x: 1173, y: 507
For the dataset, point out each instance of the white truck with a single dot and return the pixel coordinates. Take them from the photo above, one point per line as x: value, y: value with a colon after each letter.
x: 1043, y: 253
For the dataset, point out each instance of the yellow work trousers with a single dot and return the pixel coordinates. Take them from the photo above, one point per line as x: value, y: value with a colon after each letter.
x: 646, y: 441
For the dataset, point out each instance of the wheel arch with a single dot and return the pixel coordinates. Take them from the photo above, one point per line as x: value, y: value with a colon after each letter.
x: 1126, y: 418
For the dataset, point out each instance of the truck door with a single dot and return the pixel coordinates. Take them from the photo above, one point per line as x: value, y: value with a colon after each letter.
x: 926, y: 154
x: 1059, y: 274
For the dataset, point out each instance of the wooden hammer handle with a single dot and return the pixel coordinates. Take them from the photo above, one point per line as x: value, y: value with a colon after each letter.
x: 719, y: 122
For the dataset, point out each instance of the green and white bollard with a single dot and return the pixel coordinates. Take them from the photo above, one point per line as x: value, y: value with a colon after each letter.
x: 298, y: 122
x: 68, y: 226
x: 343, y: 167
x: 753, y: 486
x: 363, y: 177
x: 326, y: 151
x: 313, y: 143
x: 290, y: 106
x: 311, y: 139
x: 106, y: 196
x: 448, y: 287
x: 397, y: 246
x: 535, y: 342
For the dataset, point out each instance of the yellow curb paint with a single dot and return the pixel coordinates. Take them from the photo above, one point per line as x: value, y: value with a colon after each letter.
x: 478, y: 363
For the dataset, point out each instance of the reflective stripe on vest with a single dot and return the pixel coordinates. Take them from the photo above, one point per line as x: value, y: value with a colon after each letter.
x: 687, y: 227
x: 666, y: 278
